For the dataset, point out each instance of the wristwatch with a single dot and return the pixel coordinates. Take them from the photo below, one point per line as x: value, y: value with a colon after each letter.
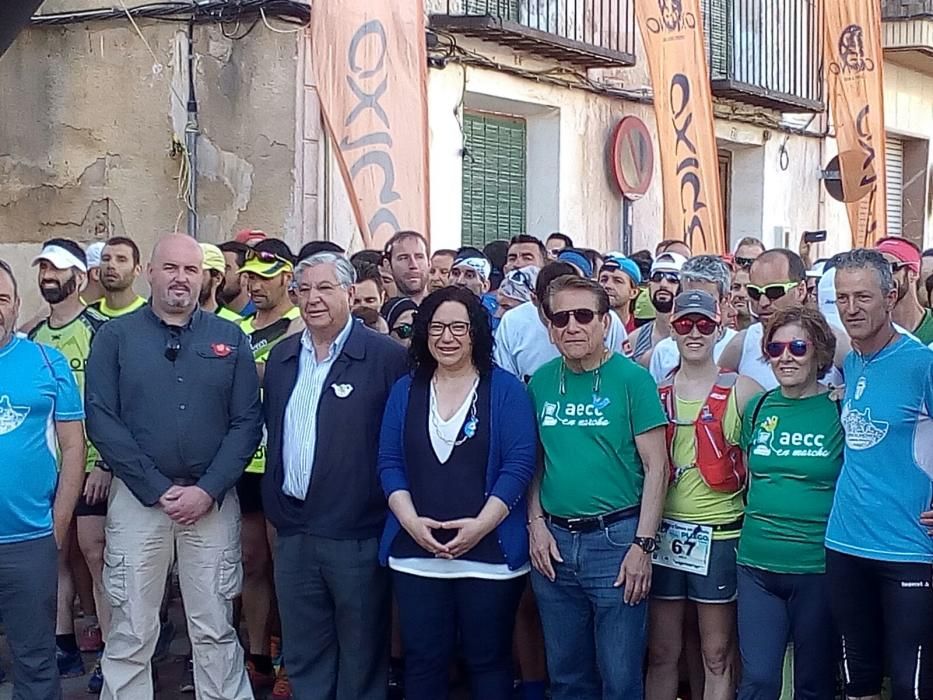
x: 648, y: 544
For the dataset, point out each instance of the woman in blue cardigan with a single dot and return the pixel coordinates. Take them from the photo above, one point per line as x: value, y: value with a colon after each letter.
x: 456, y: 455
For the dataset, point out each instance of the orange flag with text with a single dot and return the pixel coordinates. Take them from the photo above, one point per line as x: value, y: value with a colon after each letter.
x: 683, y: 106
x: 856, y: 92
x: 369, y: 61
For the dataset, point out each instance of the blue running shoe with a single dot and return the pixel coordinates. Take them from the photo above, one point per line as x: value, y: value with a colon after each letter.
x: 96, y: 682
x: 70, y: 664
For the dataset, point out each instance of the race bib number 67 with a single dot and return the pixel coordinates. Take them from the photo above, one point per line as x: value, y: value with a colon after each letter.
x: 684, y: 546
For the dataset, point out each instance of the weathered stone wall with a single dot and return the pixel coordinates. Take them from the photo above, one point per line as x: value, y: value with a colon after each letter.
x: 88, y: 119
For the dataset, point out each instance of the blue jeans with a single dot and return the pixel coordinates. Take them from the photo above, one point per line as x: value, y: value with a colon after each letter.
x: 595, y: 643
x: 777, y: 608
x: 436, y: 616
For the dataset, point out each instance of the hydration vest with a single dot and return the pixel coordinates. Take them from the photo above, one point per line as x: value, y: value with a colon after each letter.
x: 721, y: 465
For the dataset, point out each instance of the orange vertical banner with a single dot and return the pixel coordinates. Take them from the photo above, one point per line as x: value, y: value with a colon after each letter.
x: 683, y: 105
x: 856, y: 91
x: 369, y: 60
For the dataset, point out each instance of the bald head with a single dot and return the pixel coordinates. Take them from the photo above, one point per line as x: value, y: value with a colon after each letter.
x: 175, y: 276
x: 778, y: 265
x: 174, y: 245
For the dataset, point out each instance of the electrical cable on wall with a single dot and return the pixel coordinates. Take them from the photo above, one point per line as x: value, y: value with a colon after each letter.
x: 208, y: 11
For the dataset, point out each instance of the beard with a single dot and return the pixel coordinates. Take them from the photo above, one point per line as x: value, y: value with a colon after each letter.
x: 665, y: 305
x: 205, y: 294
x: 57, y: 292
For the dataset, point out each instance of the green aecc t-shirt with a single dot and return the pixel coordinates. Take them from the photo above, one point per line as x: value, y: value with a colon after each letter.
x: 591, y: 464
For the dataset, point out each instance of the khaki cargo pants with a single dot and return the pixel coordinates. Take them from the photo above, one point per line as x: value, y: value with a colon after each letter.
x: 141, y: 546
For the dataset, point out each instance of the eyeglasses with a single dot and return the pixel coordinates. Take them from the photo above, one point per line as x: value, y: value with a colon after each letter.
x: 896, y: 266
x: 772, y: 291
x: 458, y: 329
x: 671, y: 277
x: 798, y: 348
x: 744, y: 263
x: 584, y: 317
x: 685, y: 326
x: 404, y: 331
x: 172, y: 347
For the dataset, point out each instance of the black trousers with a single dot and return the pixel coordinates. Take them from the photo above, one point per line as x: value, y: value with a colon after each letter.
x: 884, y: 612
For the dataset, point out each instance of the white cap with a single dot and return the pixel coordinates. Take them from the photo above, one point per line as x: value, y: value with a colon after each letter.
x: 818, y: 268
x: 93, y: 252
x: 668, y: 262
x: 60, y: 257
x: 481, y: 266
x: 826, y: 298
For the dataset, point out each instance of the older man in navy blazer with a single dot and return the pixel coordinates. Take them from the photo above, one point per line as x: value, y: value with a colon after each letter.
x: 325, y: 392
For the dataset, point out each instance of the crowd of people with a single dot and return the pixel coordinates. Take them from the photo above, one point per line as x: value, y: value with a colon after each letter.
x: 545, y: 470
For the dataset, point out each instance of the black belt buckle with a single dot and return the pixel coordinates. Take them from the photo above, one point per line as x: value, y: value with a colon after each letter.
x: 581, y: 524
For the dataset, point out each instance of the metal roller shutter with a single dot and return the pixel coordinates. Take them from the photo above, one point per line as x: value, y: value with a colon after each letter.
x: 494, y: 178
x: 894, y: 169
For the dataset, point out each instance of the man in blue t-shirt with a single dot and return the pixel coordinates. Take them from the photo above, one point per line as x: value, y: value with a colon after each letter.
x: 40, y: 414
x: 880, y: 551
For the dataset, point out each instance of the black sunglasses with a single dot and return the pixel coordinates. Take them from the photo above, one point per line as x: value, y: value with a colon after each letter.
x: 584, y: 317
x: 744, y: 263
x: 403, y: 330
x: 671, y: 277
x: 172, y: 347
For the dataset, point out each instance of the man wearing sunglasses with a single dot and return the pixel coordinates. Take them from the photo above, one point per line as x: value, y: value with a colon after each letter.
x: 595, y: 506
x: 173, y: 407
x: 778, y: 281
x: 663, y: 286
x: 747, y: 251
x: 522, y: 340
x: 268, y: 271
x: 905, y: 260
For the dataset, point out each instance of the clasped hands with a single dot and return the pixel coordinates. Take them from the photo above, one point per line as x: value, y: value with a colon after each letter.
x: 186, y: 504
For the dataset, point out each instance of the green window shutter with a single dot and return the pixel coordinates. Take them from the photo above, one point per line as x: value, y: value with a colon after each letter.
x: 494, y: 178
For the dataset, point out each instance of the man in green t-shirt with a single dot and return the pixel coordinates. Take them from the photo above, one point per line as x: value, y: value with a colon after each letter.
x: 594, y: 509
x: 120, y: 266
x: 70, y: 327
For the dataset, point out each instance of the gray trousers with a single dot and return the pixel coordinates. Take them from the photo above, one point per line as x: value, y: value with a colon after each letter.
x: 28, y: 590
x: 334, y: 605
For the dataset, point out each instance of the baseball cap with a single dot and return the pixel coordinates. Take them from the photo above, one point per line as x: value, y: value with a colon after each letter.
x: 668, y: 262
x: 578, y: 260
x: 250, y: 236
x: 617, y: 261
x: 213, y: 258
x: 474, y: 259
x: 93, y: 254
x: 268, y: 258
x: 63, y: 254
x: 696, y: 302
x: 819, y: 267
x: 902, y: 250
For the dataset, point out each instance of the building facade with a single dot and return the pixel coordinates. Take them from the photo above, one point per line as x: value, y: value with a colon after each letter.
x: 523, y: 97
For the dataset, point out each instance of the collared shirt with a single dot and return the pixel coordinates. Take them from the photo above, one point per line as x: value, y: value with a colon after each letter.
x: 173, y: 404
x: 300, y: 433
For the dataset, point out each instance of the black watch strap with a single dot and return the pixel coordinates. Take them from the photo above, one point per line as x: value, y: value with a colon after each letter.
x: 648, y: 544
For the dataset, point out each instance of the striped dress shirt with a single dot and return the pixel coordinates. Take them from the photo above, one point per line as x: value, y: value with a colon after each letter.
x: 300, y: 433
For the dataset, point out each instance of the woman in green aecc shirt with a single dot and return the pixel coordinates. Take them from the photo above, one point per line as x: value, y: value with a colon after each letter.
x: 793, y: 440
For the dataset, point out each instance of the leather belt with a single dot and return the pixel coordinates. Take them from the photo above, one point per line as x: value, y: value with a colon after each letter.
x: 592, y: 523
